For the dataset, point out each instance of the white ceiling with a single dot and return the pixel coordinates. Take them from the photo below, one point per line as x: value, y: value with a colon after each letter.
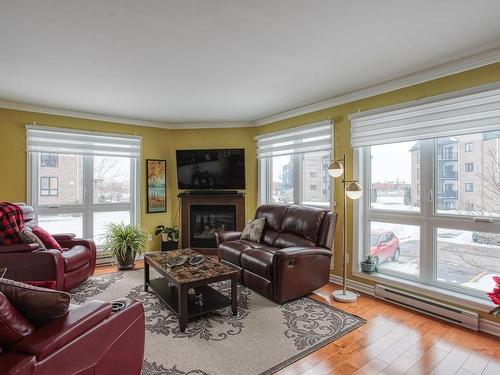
x: 225, y: 60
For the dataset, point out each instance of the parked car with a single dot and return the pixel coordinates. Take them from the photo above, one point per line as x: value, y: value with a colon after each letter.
x: 486, y: 238
x: 384, y: 246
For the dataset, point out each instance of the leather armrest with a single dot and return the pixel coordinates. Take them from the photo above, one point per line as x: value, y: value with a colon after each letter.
x: 17, y: 363
x: 70, y: 242
x: 63, y: 236
x: 62, y: 331
x: 222, y: 237
x: 297, y: 251
x: 19, y: 248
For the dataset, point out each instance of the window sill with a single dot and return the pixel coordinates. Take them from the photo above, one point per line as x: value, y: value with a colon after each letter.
x: 447, y: 296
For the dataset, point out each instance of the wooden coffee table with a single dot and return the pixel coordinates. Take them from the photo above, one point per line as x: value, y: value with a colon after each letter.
x: 174, y: 283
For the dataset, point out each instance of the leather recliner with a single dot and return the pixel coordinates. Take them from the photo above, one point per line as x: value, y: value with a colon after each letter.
x: 89, y: 340
x: 50, y: 268
x: 293, y: 257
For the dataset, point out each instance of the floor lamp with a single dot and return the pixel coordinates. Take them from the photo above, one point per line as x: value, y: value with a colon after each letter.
x: 352, y: 190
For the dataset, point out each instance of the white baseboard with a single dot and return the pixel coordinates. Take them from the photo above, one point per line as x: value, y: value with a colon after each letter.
x: 486, y: 326
x: 356, y: 285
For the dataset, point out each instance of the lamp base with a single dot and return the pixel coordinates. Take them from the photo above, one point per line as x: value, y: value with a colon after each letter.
x: 346, y: 297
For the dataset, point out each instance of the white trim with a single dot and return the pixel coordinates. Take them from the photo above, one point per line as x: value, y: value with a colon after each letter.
x: 457, y: 66
x: 4, y: 104
x: 356, y: 285
x: 486, y: 326
x: 489, y: 326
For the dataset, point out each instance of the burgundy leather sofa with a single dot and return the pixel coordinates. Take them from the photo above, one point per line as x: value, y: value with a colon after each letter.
x: 89, y: 340
x: 62, y: 270
x: 293, y: 257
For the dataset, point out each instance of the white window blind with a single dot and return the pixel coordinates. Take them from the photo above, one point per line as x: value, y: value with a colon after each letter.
x: 66, y: 141
x: 463, y: 112
x: 309, y: 138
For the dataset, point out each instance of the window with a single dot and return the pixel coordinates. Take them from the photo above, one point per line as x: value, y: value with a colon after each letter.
x: 394, y: 178
x: 420, y: 223
x: 93, y: 183
x: 293, y: 165
x: 49, y: 160
x: 49, y: 186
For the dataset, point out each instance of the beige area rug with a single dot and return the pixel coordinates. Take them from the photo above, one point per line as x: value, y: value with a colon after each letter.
x: 263, y: 338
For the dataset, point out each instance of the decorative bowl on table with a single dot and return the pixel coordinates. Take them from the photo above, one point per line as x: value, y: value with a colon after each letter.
x: 196, y: 260
x: 177, y: 261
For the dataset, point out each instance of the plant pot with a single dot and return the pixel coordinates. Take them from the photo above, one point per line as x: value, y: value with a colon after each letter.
x: 164, y: 237
x: 169, y: 245
x: 368, y: 267
x: 125, y: 264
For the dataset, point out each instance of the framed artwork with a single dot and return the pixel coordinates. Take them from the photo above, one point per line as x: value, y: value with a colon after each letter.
x: 156, y: 172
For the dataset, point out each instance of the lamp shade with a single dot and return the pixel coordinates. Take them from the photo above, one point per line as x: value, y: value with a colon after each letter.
x: 354, y: 191
x: 335, y: 169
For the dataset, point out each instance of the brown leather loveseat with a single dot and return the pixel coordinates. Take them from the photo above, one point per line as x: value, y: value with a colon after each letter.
x: 293, y: 257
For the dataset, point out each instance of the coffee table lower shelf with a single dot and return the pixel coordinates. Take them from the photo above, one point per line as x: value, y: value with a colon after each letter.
x: 212, y: 299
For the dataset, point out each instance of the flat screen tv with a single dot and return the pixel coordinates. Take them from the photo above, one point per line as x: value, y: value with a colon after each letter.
x: 211, y: 169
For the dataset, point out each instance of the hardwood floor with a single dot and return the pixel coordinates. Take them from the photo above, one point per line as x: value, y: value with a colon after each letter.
x: 395, y: 341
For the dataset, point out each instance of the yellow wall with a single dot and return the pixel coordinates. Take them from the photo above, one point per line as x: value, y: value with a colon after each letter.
x: 339, y: 114
x: 157, y: 144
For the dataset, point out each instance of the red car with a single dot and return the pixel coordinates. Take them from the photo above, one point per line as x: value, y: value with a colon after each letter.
x: 384, y: 246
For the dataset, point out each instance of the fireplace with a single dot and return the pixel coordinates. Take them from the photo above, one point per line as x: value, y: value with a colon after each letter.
x: 206, y: 219
x: 202, y: 215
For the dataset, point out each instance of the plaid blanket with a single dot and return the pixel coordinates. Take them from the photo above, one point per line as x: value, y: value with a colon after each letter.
x: 11, y: 222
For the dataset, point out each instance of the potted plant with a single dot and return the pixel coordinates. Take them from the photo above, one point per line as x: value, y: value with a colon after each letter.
x: 169, y: 236
x: 125, y: 242
x: 369, y: 264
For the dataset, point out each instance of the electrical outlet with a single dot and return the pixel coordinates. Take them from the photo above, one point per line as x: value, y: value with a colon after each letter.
x: 150, y: 237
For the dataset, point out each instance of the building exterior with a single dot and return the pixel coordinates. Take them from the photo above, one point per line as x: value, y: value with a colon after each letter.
x: 467, y: 173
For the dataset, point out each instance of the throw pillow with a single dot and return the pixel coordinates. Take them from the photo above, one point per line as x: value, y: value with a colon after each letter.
x: 27, y: 236
x: 253, y: 230
x: 38, y: 305
x: 47, y: 239
x: 13, y: 326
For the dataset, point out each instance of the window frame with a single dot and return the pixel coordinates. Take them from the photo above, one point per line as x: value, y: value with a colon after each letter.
x: 49, y: 154
x: 266, y: 173
x: 87, y: 207
x: 49, y: 189
x: 428, y: 219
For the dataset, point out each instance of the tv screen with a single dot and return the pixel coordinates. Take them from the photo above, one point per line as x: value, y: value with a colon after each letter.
x: 211, y: 169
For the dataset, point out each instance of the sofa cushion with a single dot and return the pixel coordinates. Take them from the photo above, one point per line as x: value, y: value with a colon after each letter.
x: 303, y: 221
x: 13, y: 326
x: 273, y: 213
x: 38, y: 305
x: 75, y: 257
x: 27, y: 236
x: 259, y: 261
x: 269, y: 236
x: 292, y: 240
x: 232, y: 250
x: 253, y: 230
x: 47, y: 239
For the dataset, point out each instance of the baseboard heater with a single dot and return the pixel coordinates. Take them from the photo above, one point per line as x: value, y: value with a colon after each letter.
x: 430, y: 307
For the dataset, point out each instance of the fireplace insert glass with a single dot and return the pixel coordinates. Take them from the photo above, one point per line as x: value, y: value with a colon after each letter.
x: 206, y: 220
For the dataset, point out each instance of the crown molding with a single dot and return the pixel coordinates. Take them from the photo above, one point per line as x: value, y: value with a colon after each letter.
x: 457, y: 66
x: 121, y: 120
